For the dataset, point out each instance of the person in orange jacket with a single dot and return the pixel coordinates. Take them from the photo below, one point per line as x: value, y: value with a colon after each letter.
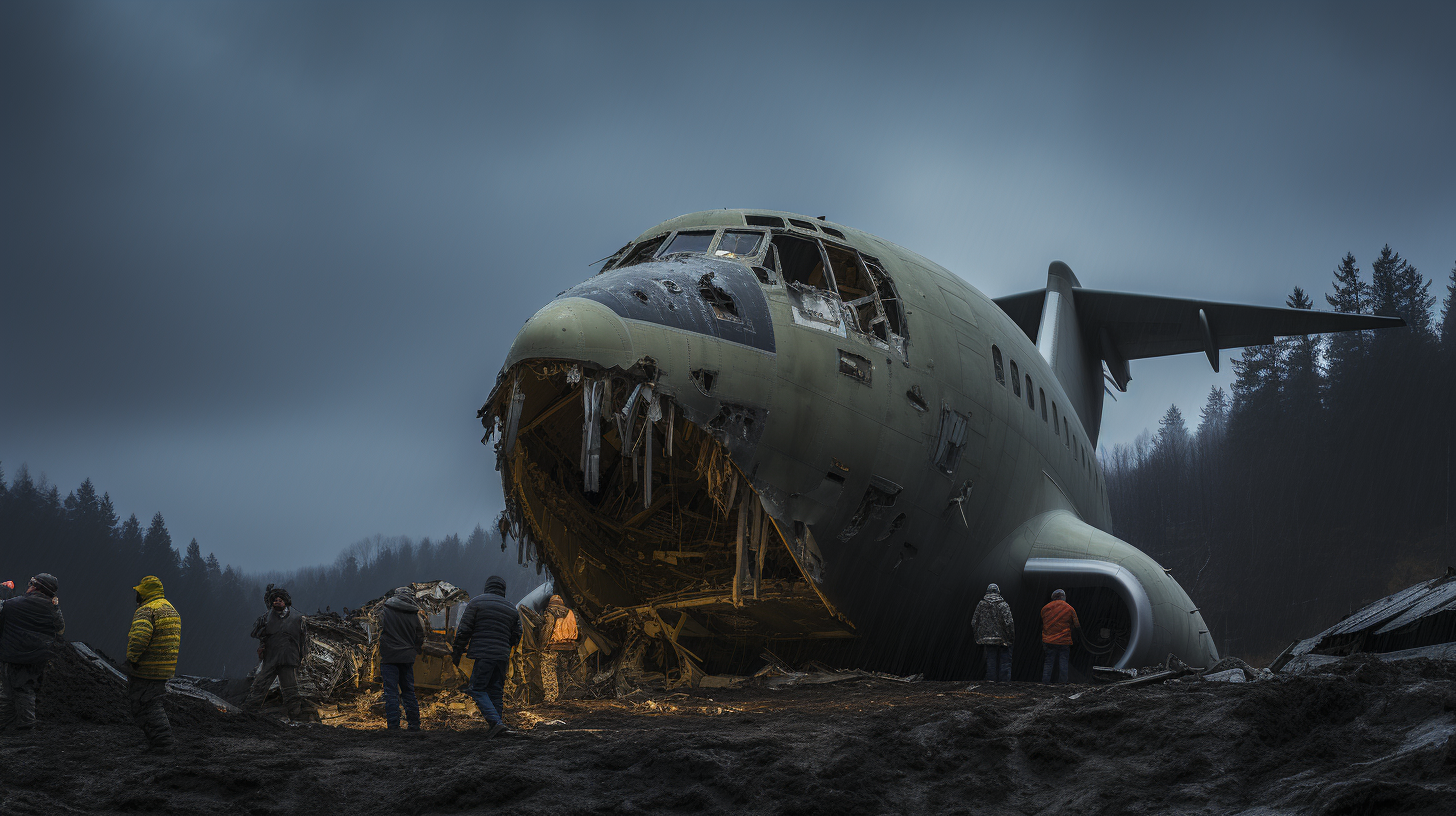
x: 1058, y: 619
x: 558, y: 636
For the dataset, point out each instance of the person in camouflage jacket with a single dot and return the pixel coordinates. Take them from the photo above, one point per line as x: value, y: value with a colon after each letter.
x: 995, y: 632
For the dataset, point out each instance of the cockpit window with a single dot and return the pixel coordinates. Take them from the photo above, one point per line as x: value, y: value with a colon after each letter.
x: 738, y: 244
x: 643, y: 252
x: 696, y: 242
x: 800, y: 261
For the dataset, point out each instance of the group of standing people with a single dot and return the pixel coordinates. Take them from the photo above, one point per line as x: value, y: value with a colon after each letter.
x: 31, y: 624
x: 995, y: 631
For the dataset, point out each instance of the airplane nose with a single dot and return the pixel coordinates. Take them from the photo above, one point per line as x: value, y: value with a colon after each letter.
x: 574, y: 328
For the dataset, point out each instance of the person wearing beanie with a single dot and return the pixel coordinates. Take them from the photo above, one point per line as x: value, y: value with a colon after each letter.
x: 1058, y: 620
x: 558, y: 638
x: 29, y: 627
x: 152, y: 645
x: 488, y: 629
x: 401, y: 640
x: 995, y: 632
x: 281, y: 643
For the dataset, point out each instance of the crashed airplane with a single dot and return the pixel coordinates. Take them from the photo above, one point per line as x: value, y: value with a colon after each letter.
x: 756, y: 430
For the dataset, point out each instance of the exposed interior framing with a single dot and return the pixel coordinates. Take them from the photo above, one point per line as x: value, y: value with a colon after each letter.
x: 648, y: 526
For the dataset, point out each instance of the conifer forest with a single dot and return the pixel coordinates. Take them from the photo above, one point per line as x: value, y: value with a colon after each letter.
x: 1321, y: 483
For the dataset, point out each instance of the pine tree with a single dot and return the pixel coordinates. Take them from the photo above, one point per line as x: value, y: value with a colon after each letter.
x: 1258, y: 374
x: 1448, y: 319
x: 1303, y: 380
x: 1397, y: 288
x: 214, y: 570
x: 129, y: 541
x: 1172, y: 431
x: 1213, y: 419
x: 194, y: 567
x: 158, y: 557
x: 1351, y: 295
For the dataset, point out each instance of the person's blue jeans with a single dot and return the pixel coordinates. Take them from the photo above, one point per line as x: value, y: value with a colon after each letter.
x: 1058, y: 655
x: 998, y: 663
x: 399, y: 684
x: 488, y: 687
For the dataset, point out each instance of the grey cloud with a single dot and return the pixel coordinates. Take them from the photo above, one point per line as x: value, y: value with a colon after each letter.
x: 262, y: 260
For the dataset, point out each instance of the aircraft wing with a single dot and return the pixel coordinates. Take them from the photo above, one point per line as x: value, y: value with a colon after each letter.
x: 1142, y: 326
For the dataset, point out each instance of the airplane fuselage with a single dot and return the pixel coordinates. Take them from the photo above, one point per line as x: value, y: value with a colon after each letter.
x: 904, y: 438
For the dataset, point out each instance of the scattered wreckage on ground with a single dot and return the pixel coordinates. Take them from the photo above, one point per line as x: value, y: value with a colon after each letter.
x: 1419, y: 621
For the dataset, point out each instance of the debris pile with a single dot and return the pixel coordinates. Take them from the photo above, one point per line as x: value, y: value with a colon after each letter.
x: 343, y: 652
x: 1417, y: 622
x: 83, y: 686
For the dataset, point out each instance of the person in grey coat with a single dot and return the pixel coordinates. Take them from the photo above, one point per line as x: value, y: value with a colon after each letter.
x: 280, y: 646
x: 489, y: 627
x: 401, y: 640
x: 29, y: 626
x: 995, y: 632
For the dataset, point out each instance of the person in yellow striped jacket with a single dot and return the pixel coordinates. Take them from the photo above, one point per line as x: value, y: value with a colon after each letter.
x: 151, y: 658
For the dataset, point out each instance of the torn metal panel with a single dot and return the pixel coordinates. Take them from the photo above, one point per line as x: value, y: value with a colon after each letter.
x: 591, y: 434
x: 856, y: 367
x: 1419, y: 616
x: 709, y: 296
x: 817, y: 309
x: 513, y: 420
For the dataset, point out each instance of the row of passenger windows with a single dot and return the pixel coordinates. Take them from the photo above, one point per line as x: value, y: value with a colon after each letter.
x: 1059, y: 424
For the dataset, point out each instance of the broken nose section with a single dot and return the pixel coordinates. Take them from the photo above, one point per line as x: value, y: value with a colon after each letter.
x: 576, y: 329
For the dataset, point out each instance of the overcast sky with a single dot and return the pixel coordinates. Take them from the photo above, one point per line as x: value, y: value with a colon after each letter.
x: 260, y: 262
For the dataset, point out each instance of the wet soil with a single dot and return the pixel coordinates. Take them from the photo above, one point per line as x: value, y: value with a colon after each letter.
x: 1362, y: 738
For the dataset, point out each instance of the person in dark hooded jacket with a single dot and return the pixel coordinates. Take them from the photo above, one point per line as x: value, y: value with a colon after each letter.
x: 29, y: 625
x: 281, y: 647
x: 489, y: 627
x: 401, y: 640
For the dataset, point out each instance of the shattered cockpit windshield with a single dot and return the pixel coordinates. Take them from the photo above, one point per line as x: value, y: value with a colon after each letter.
x: 734, y: 244
x: 738, y: 244
x: 695, y: 242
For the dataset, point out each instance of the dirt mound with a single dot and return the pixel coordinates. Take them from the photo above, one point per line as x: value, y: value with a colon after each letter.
x: 1364, y: 737
x: 77, y: 692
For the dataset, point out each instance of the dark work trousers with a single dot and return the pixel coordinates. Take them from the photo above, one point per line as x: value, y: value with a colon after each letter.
x: 287, y: 682
x: 18, y: 684
x: 399, y: 684
x: 1057, y: 656
x: 998, y: 663
x: 488, y: 686
x: 144, y: 698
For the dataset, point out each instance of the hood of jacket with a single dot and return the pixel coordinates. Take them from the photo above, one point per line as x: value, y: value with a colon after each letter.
x: 994, y: 597
x: 149, y: 589
x: 401, y: 603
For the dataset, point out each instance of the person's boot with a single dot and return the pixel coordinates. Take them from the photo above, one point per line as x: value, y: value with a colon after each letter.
x: 495, y: 730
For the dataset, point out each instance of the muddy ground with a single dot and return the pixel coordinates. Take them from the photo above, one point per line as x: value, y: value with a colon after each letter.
x: 1363, y: 738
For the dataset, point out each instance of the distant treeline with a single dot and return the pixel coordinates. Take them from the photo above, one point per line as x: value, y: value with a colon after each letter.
x: 1321, y: 483
x: 98, y: 559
